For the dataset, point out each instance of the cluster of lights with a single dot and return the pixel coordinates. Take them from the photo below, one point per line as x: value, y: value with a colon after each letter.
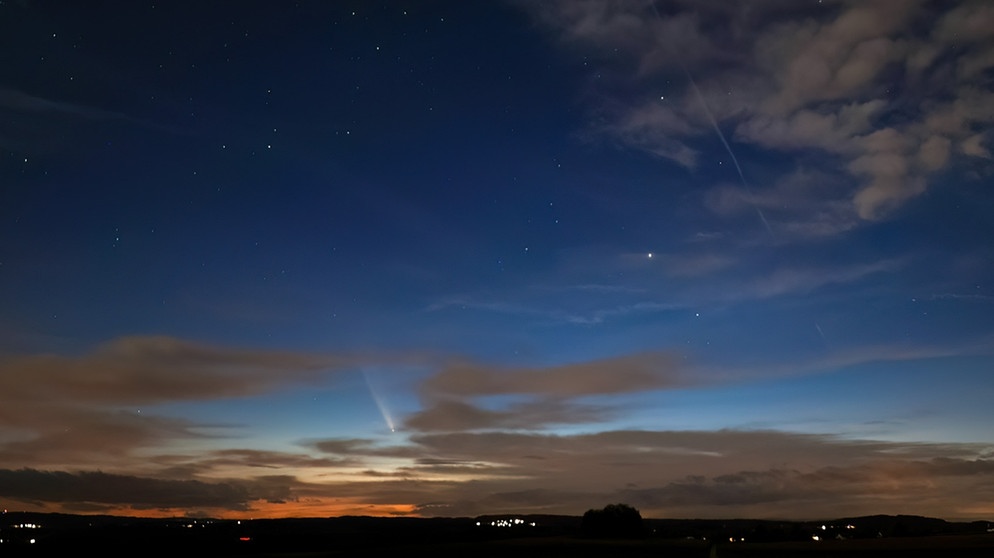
x: 817, y: 538
x: 826, y: 527
x: 24, y: 526
x: 508, y: 523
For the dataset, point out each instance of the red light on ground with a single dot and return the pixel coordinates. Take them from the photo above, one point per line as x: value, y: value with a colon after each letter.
x: 244, y: 538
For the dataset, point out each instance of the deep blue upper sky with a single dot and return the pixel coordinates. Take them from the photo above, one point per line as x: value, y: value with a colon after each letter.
x: 498, y: 228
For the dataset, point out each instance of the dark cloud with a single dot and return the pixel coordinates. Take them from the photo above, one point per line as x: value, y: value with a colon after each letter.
x: 608, y: 376
x: 753, y: 473
x: 355, y: 446
x: 145, y: 370
x: 362, y: 448
x: 223, y: 459
x: 46, y: 434
x: 888, y: 482
x: 461, y: 416
x: 103, y: 489
x: 764, y: 473
x: 87, y: 409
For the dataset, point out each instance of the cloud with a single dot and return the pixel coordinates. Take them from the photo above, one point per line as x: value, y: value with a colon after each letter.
x: 800, y: 280
x: 970, y: 21
x: 352, y: 446
x: 854, y: 356
x: 747, y: 473
x: 841, y: 489
x: 934, y: 152
x: 465, y: 395
x: 860, y: 84
x: 547, y: 313
x: 837, y: 58
x: 773, y: 279
x: 735, y: 473
x: 973, y: 145
x: 449, y: 415
x: 807, y: 203
x: 53, y: 435
x: 91, y: 490
x: 608, y: 376
x: 811, y: 128
x: 677, y: 276
x: 88, y: 408
x: 477, y: 445
x: 144, y: 370
x: 226, y: 460
x: 653, y: 128
x: 691, y: 265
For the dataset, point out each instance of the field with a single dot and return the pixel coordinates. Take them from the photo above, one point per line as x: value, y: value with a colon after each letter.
x: 483, y: 537
x: 960, y: 546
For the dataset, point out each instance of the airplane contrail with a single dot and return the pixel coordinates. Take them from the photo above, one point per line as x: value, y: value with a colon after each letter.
x: 721, y: 135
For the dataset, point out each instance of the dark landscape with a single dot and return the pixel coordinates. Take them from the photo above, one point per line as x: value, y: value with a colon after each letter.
x: 39, y: 534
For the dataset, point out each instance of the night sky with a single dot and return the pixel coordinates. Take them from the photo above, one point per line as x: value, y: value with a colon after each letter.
x: 709, y: 259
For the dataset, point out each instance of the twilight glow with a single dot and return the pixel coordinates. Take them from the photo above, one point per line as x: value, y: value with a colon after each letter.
x: 442, y: 258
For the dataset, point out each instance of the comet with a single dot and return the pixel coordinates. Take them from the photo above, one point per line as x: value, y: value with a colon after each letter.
x: 378, y: 400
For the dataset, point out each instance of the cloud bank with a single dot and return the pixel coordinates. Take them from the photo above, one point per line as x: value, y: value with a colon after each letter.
x: 66, y: 448
x: 87, y: 409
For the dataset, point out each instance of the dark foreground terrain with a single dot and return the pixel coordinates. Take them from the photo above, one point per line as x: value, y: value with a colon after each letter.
x: 24, y: 534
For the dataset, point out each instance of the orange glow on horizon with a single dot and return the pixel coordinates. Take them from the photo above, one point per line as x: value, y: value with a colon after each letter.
x: 259, y: 510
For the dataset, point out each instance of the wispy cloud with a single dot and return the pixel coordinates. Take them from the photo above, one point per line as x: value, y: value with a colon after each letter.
x: 801, y: 280
x: 804, y: 204
x: 15, y: 100
x: 852, y: 356
x: 544, y: 312
x: 968, y: 297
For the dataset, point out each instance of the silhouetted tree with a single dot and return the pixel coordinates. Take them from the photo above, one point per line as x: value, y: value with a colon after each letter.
x: 615, y: 520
